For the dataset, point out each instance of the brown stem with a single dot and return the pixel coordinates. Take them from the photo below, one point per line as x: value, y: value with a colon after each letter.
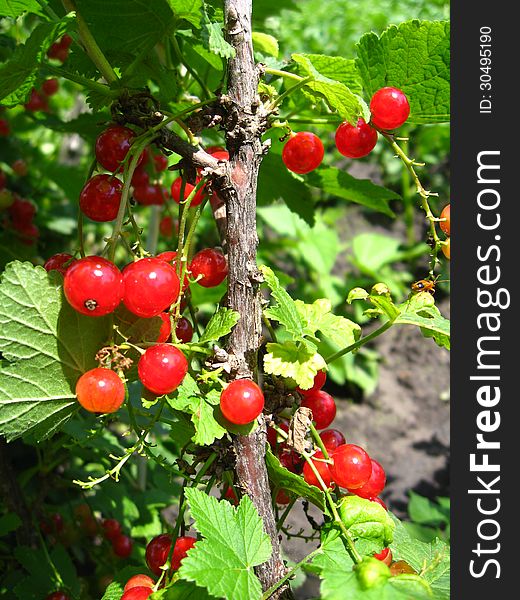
x: 245, y: 122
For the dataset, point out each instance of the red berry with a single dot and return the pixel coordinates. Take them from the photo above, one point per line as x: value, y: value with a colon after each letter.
x: 50, y: 87
x: 137, y: 593
x: 100, y: 391
x: 180, y: 550
x: 319, y: 381
x: 166, y: 328
x: 289, y: 459
x: 139, y: 581
x: 219, y: 154
x: 375, y: 485
x: 160, y: 162
x: 355, y: 141
x: 184, y: 330
x: 170, y: 256
x: 93, y: 286
x: 19, y: 166
x: 241, y: 401
x: 100, y: 198
x: 321, y: 467
x: 21, y: 212
x: 384, y: 556
x: 162, y: 368
x: 188, y: 188
x: 272, y: 435
x: 140, y: 177
x: 36, y: 102
x: 231, y: 496
x: 122, y: 546
x: 303, y: 152
x: 332, y: 438
x: 59, y: 262
x: 323, y: 408
x: 29, y: 232
x: 111, y: 528
x: 150, y: 194
x: 445, y: 214
x: 166, y: 226
x: 211, y: 265
x: 65, y: 41
x: 157, y: 552
x: 151, y: 285
x: 389, y: 108
x: 113, y: 145
x: 379, y: 501
x: 351, y: 466
x: 282, y: 497
x: 5, y: 129
x: 213, y: 149
x: 58, y: 596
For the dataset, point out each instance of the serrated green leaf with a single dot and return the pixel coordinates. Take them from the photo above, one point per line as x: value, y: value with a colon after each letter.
x: 16, y: 8
x: 297, y: 361
x: 9, y: 522
x: 265, y: 43
x: 182, y: 590
x: 361, y: 191
x: 337, y: 68
x: 282, y: 478
x: 422, y: 510
x: 220, y: 325
x: 430, y: 321
x: 48, y: 344
x: 414, y: 57
x: 234, y: 542
x: 189, y: 10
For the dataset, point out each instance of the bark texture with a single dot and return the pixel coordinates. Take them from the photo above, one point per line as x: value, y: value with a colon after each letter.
x: 246, y: 120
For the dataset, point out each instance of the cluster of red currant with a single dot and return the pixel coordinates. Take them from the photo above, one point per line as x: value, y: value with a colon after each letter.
x: 60, y: 50
x: 445, y: 226
x: 38, y: 99
x: 19, y: 212
x: 389, y: 109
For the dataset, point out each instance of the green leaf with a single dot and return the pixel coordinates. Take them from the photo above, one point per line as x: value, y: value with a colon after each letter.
x: 266, y: 44
x: 282, y: 478
x: 189, y: 10
x: 16, y: 8
x: 361, y: 191
x: 336, y: 94
x: 48, y: 344
x: 297, y: 361
x: 234, y: 542
x: 189, y: 398
x: 9, y: 522
x: 182, y: 590
x: 431, y: 561
x: 424, y: 511
x: 430, y: 321
x: 215, y: 40
x: 414, y: 57
x: 220, y: 325
x: 367, y: 522
x: 337, y: 68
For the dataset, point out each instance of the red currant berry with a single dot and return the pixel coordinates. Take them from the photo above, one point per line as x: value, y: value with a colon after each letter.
x: 151, y: 194
x: 321, y: 467
x: 36, y: 102
x: 289, y: 459
x: 379, y: 501
x: 213, y: 149
x: 166, y: 328
x: 162, y: 368
x: 140, y: 177
x: 184, y: 331
x: 446, y: 249
x: 111, y: 528
x: 100, y: 198
x: 157, y: 552
x: 355, y: 141
x: 180, y: 550
x: 100, y: 391
x: 384, y: 556
x: 122, y: 546
x: 241, y: 401
x: 50, y: 87
x: 375, y: 485
x: 151, y: 285
x: 319, y: 381
x: 139, y: 581
x: 231, y: 496
x: 220, y: 154
x: 282, y: 497
x: 211, y: 266
x: 29, y: 232
x: 93, y: 286
x: 332, y: 438
x: 112, y: 146
x: 445, y: 214
x: 389, y: 108
x: 160, y: 163
x: 58, y: 596
x: 351, y: 466
x: 21, y: 212
x: 323, y: 408
x: 59, y: 262
x: 5, y: 129
x: 272, y: 435
x: 65, y: 41
x: 19, y: 166
x: 166, y: 227
x: 188, y: 188
x: 137, y: 593
x: 303, y: 152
